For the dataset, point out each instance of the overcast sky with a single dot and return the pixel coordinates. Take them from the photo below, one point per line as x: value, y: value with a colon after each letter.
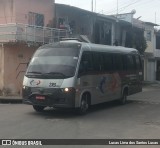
x: 149, y: 10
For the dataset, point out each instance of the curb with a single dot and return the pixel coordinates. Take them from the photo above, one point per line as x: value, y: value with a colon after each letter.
x: 150, y: 83
x: 10, y: 100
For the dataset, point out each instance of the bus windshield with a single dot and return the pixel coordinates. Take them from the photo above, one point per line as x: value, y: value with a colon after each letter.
x: 53, y: 63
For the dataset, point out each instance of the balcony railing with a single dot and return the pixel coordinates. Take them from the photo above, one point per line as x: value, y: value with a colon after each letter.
x: 27, y: 33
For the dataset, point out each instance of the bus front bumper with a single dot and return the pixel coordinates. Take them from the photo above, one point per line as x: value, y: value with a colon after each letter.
x: 52, y: 97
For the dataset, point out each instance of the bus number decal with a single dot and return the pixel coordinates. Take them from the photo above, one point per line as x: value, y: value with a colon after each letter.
x: 51, y: 84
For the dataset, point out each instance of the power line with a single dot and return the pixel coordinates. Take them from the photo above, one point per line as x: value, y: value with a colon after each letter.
x: 144, y: 3
x: 115, y: 8
x: 125, y: 6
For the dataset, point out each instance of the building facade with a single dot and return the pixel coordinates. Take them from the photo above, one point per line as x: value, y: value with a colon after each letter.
x: 151, y: 53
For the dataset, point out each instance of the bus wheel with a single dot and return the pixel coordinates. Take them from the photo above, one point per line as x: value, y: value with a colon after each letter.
x: 123, y: 98
x: 38, y: 108
x: 84, y: 106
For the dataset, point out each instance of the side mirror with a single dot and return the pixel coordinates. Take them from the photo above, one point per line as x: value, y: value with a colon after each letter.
x: 28, y: 62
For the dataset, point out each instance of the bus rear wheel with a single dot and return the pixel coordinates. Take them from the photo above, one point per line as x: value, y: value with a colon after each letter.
x: 123, y: 98
x: 38, y: 108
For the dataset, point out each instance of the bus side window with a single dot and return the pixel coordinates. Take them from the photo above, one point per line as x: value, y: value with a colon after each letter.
x: 118, y: 62
x: 97, y: 61
x: 138, y: 63
x: 124, y: 59
x: 130, y: 63
x: 102, y: 62
x: 108, y: 62
x: 86, y: 63
x: 134, y: 63
x: 140, y: 60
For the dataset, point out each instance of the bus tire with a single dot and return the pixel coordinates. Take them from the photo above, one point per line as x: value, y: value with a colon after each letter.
x: 38, y: 108
x: 84, y: 105
x: 123, y: 99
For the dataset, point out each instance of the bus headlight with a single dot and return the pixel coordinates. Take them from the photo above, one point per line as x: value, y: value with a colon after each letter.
x: 25, y: 87
x: 68, y: 89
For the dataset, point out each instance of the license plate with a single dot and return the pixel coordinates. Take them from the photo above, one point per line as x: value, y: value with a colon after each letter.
x: 40, y: 97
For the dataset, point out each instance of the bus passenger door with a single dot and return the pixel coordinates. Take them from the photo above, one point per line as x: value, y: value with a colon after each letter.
x: 99, y: 79
x: 85, y: 74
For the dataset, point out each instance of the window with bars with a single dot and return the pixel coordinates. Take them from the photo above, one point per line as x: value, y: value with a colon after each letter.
x: 35, y: 19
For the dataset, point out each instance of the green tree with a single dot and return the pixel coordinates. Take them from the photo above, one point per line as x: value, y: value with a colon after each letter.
x: 139, y: 42
x: 135, y: 39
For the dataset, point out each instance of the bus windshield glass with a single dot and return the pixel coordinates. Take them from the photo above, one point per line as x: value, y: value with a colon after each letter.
x: 53, y: 63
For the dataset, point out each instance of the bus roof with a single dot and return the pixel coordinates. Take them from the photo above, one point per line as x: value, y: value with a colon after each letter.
x: 92, y: 47
x: 112, y: 49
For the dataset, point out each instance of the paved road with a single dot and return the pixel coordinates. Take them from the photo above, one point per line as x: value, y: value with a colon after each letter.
x: 139, y: 118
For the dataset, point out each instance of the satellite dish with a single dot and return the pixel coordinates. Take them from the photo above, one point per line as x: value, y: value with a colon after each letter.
x: 133, y: 11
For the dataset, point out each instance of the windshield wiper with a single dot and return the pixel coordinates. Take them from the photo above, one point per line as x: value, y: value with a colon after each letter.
x: 45, y: 75
x: 35, y: 72
x: 55, y: 74
x: 32, y: 74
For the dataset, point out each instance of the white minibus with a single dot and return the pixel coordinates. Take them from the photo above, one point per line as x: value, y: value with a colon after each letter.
x: 73, y: 74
